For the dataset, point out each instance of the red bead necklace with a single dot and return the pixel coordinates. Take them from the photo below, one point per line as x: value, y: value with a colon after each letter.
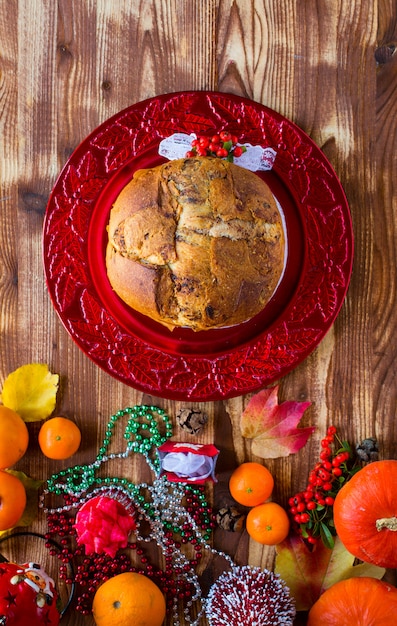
x: 173, y: 520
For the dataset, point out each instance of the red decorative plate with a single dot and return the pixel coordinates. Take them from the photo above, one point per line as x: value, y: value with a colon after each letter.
x: 216, y: 364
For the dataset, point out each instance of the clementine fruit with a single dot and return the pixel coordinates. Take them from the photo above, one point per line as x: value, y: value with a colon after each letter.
x: 12, y: 500
x: 251, y: 484
x: 268, y: 523
x: 14, y: 437
x: 127, y: 599
x: 59, y: 438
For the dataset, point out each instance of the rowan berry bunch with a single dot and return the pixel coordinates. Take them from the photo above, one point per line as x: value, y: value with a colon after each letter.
x: 223, y: 145
x: 312, y: 510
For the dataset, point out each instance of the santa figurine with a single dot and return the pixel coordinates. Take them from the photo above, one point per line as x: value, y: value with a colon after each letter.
x: 27, y: 596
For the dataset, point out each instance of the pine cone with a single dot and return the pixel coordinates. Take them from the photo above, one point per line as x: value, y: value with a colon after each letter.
x: 230, y: 518
x: 367, y: 450
x: 192, y: 420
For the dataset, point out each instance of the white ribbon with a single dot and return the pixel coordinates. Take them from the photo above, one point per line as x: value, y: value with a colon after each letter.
x: 254, y: 159
x: 188, y: 465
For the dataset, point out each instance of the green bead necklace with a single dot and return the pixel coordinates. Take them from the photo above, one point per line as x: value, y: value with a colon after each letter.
x: 175, y: 513
x: 147, y: 428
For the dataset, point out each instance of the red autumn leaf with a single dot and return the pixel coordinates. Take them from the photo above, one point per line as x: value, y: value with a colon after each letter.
x: 308, y: 573
x: 273, y: 427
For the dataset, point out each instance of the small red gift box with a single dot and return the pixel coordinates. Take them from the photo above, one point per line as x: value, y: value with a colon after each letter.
x: 188, y: 462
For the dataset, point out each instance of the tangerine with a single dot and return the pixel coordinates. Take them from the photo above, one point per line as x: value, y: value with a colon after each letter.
x: 14, y: 437
x: 268, y: 523
x: 251, y: 484
x: 12, y: 500
x: 59, y: 438
x: 129, y: 598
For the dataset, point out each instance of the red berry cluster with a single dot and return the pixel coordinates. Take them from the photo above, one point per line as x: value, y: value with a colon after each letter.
x: 312, y: 510
x: 223, y: 145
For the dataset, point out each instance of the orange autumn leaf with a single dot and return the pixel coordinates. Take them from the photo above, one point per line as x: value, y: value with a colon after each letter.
x: 273, y: 427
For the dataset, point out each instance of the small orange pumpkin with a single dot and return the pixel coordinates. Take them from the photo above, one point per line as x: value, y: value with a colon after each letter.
x: 365, y: 514
x: 355, y: 601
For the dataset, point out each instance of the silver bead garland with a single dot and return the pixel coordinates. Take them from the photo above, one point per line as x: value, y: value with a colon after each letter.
x: 158, y: 505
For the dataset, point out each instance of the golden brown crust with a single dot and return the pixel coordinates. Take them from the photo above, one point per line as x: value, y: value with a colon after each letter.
x: 195, y: 242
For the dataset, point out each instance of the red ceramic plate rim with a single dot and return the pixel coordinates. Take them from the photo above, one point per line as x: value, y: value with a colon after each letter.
x: 216, y: 364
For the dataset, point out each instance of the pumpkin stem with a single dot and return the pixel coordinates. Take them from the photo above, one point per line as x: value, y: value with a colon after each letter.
x: 386, y: 522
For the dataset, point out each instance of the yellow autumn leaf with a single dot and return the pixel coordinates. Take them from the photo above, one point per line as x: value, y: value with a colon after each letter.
x: 31, y: 391
x: 309, y: 572
x: 32, y: 487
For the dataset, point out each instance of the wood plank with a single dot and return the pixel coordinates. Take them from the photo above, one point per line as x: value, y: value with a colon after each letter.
x: 8, y: 192
x: 384, y: 207
x: 256, y: 43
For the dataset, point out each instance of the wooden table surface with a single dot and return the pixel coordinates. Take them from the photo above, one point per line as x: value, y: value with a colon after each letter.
x: 331, y: 68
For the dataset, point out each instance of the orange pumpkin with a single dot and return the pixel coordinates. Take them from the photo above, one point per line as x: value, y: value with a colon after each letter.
x: 365, y: 514
x: 355, y: 602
